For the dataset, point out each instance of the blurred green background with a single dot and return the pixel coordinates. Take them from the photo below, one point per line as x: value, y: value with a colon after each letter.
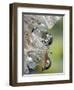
x: 55, y: 50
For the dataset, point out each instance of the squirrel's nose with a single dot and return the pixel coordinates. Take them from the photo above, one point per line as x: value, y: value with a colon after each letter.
x: 47, y: 65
